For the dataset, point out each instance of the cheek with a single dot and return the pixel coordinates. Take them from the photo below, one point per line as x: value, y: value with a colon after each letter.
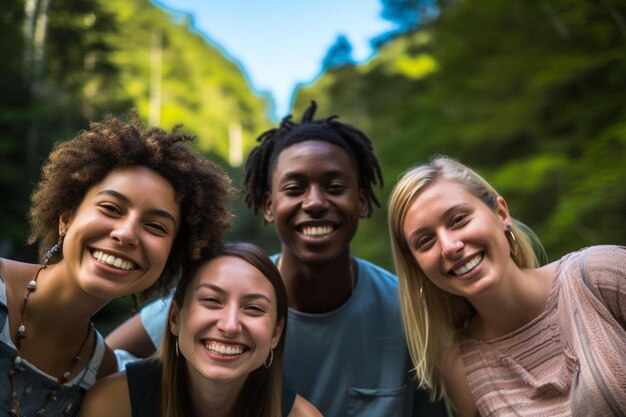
x: 428, y: 263
x: 160, y: 251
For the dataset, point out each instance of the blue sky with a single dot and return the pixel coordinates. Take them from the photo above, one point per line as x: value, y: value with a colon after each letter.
x: 280, y: 43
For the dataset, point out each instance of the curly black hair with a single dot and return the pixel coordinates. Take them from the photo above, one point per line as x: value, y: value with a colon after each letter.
x: 202, y: 188
x: 261, y: 160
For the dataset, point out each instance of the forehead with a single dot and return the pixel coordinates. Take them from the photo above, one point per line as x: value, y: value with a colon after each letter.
x: 434, y: 200
x: 122, y: 176
x: 140, y: 186
x: 314, y: 157
x: 233, y: 274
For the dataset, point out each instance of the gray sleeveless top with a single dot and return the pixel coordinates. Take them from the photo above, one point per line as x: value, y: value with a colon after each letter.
x: 34, y: 386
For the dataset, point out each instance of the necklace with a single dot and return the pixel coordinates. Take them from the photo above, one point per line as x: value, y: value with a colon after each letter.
x: 17, y: 362
x: 279, y: 264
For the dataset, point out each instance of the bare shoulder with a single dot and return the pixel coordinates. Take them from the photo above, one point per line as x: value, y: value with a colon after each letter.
x: 109, y: 363
x: 455, y: 383
x: 15, y: 276
x: 108, y: 397
x: 14, y: 270
x: 303, y: 408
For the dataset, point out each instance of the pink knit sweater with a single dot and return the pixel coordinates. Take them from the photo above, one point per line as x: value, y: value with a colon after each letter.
x: 571, y: 359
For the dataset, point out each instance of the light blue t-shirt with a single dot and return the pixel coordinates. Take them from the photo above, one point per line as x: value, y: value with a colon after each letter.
x: 352, y: 361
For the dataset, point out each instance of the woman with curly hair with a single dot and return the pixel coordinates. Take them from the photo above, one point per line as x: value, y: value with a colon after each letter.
x: 119, y: 210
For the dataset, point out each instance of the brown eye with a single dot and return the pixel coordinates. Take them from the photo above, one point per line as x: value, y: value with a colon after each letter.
x: 423, y: 242
x: 458, y: 219
x: 110, y: 208
x: 293, y: 190
x: 336, y: 188
x: 157, y: 227
x: 255, y: 310
x: 211, y: 302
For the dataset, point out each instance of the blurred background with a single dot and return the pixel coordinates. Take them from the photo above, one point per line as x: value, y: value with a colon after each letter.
x: 531, y: 94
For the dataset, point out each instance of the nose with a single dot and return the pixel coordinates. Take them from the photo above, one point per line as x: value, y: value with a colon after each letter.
x: 229, y: 323
x: 125, y: 231
x: 450, y: 244
x: 315, y: 200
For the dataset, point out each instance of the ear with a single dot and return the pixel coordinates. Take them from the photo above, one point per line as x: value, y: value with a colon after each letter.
x: 64, y: 222
x: 268, y: 216
x: 503, y: 211
x: 174, y: 318
x: 278, y: 331
x: 364, y: 207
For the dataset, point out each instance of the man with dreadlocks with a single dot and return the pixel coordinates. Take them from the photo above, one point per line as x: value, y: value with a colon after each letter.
x: 345, y: 348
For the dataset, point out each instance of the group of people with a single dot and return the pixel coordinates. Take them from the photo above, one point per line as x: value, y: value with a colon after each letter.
x: 476, y: 319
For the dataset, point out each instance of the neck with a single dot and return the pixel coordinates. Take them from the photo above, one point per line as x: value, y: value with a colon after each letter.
x: 60, y: 302
x: 214, y: 399
x: 516, y: 301
x: 317, y: 289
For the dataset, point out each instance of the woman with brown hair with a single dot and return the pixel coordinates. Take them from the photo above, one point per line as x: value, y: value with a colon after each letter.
x: 222, y: 349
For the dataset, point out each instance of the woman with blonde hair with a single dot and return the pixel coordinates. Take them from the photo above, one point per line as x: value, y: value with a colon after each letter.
x: 487, y: 327
x: 222, y: 350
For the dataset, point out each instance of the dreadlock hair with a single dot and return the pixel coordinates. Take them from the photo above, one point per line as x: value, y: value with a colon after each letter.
x: 262, y: 159
x: 202, y: 188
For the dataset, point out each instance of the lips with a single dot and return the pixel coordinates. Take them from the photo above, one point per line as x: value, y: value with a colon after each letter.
x: 114, y: 261
x: 468, y: 265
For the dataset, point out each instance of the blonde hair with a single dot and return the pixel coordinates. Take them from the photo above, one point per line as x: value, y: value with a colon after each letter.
x: 261, y: 394
x: 431, y: 315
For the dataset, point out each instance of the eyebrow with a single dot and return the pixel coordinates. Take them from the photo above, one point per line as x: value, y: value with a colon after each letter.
x: 335, y: 173
x: 419, y: 230
x: 218, y: 289
x: 126, y: 200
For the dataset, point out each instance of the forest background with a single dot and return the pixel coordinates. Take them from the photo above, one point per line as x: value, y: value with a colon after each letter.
x: 531, y: 94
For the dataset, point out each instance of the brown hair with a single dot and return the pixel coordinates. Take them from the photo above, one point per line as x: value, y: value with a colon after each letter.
x: 202, y: 188
x: 261, y: 394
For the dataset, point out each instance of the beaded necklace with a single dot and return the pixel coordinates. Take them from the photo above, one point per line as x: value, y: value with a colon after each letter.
x: 17, y: 362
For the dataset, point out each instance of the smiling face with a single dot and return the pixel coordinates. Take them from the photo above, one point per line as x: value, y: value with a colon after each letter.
x: 315, y: 201
x: 119, y: 238
x: 456, y: 239
x: 227, y: 324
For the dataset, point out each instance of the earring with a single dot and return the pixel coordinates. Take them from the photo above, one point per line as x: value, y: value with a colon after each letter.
x: 510, y: 237
x: 266, y: 364
x: 177, y: 350
x: 57, y: 246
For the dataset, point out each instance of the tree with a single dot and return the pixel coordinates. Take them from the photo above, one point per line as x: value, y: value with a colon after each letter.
x: 338, y: 55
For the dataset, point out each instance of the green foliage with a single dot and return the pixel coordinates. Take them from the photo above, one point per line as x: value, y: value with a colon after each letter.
x: 103, y: 56
x: 528, y: 93
x: 198, y: 85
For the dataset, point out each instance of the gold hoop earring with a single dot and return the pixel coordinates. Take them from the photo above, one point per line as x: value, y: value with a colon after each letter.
x: 510, y: 237
x: 177, y: 350
x: 271, y: 359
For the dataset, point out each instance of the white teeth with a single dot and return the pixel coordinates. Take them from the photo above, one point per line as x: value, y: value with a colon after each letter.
x: 113, y: 261
x: 471, y: 264
x: 224, y: 350
x: 317, y: 231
